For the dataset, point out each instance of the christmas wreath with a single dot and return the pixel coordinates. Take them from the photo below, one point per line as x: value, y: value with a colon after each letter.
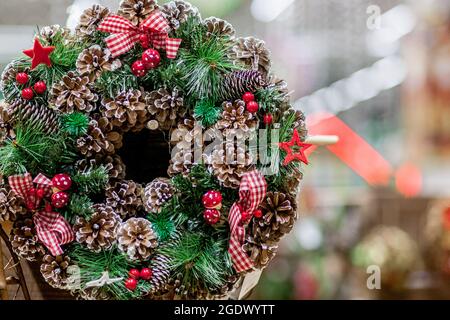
x: 102, y: 175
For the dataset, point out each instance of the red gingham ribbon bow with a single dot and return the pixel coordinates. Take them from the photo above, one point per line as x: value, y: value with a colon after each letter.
x: 252, y: 191
x: 125, y: 34
x: 51, y: 228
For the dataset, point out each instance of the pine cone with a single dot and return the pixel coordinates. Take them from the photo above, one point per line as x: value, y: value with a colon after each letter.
x: 229, y: 163
x: 112, y: 134
x: 94, y: 293
x: 218, y: 27
x: 95, y: 141
x: 178, y: 12
x: 11, y: 205
x: 47, y: 33
x: 54, y: 270
x: 10, y: 72
x: 137, y: 239
x: 100, y: 231
x: 161, y: 272
x: 156, y: 193
x: 187, y: 137
x: 94, y: 60
x: 124, y: 197
x: 165, y: 106
x: 261, y: 253
x: 236, y: 83
x: 253, y: 53
x: 73, y: 93
x: 126, y: 111
x: 113, y: 164
x: 24, y: 240
x: 278, y: 218
x: 235, y: 117
x: 33, y: 114
x: 136, y: 10
x: 90, y: 20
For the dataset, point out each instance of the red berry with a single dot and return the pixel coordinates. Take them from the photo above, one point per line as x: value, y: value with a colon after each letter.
x: 252, y: 106
x: 60, y: 199
x: 257, y: 213
x: 146, y: 273
x: 248, y: 96
x: 40, y: 193
x: 131, y: 284
x: 40, y: 87
x: 151, y: 58
x: 27, y: 93
x: 268, y: 119
x: 245, y: 216
x: 22, y: 78
x: 211, y: 216
x: 138, y: 68
x: 134, y: 273
x: 212, y: 199
x: 143, y: 39
x: 62, y: 181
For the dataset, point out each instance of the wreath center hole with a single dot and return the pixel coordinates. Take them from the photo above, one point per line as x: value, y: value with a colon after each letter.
x: 146, y: 155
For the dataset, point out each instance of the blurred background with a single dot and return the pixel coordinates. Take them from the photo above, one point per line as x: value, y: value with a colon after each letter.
x: 376, y: 73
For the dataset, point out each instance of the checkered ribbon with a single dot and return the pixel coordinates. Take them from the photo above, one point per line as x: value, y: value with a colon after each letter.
x: 252, y: 191
x: 125, y: 34
x: 51, y: 228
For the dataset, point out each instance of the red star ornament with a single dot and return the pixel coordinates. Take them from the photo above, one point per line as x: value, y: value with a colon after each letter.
x: 39, y: 54
x: 291, y: 155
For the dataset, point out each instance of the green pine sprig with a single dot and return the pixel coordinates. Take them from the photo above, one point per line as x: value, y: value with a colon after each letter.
x: 91, y: 181
x: 80, y: 205
x: 207, y: 112
x: 75, y: 124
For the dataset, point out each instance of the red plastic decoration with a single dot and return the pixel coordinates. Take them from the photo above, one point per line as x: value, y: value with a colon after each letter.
x: 151, y: 58
x: 62, y: 181
x: 257, y: 213
x: 138, y: 68
x: 248, y: 97
x: 60, y: 199
x: 27, y: 93
x: 40, y: 87
x: 252, y: 106
x: 143, y: 39
x: 212, y: 199
x: 134, y: 274
x: 22, y: 78
x: 212, y: 216
x: 268, y: 119
x: 291, y: 155
x: 131, y: 284
x: 146, y: 273
x: 39, y: 54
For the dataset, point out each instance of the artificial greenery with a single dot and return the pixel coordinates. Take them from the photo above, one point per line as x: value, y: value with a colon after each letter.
x: 207, y: 112
x: 91, y: 181
x: 79, y: 205
x: 33, y: 150
x: 75, y: 124
x: 111, y: 83
x: 270, y: 98
x: 92, y: 265
x: 163, y: 224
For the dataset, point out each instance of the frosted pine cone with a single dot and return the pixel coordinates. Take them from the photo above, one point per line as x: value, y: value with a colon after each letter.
x: 126, y: 111
x: 94, y: 60
x: 124, y: 197
x: 99, y: 232
x: 136, y: 10
x: 235, y: 117
x: 11, y: 206
x: 137, y: 239
x: 161, y: 272
x: 90, y: 20
x: 165, y: 106
x: 219, y: 27
x: 24, y: 240
x: 253, y: 53
x: 95, y: 141
x: 10, y: 72
x: 49, y: 32
x: 34, y: 115
x: 178, y: 12
x: 156, y: 193
x: 261, y: 253
x: 236, y: 83
x: 54, y: 270
x: 229, y: 163
x: 73, y: 93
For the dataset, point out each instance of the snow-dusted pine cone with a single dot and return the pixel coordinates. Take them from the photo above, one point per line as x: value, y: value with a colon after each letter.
x: 73, y: 93
x: 11, y: 206
x: 99, y: 232
x: 137, y: 239
x: 229, y: 163
x: 94, y: 60
x: 253, y: 53
x: 178, y: 12
x: 165, y: 106
x: 236, y: 83
x: 235, y: 117
x: 126, y: 111
x: 136, y: 10
x: 161, y: 272
x: 219, y: 27
x: 156, y: 193
x: 10, y: 72
x: 90, y: 20
x: 24, y: 240
x: 124, y: 197
x: 54, y: 270
x: 95, y: 141
x: 261, y: 253
x: 47, y: 33
x: 34, y: 115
